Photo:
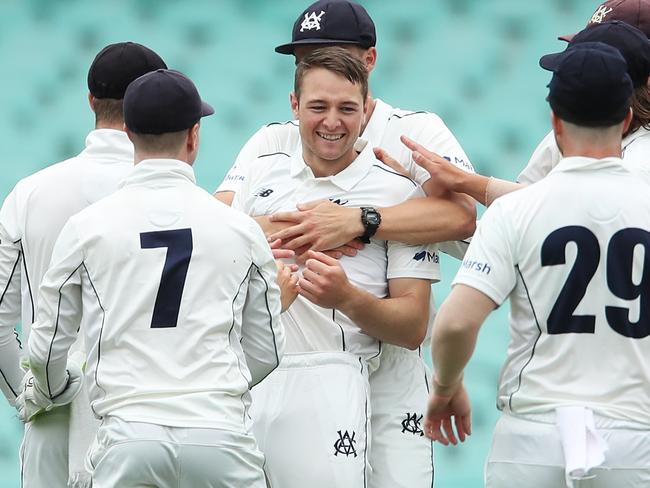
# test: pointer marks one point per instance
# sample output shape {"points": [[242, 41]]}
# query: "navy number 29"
{"points": [[179, 251], [620, 280]]}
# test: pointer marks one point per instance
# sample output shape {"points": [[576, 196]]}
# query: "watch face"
{"points": [[372, 218]]}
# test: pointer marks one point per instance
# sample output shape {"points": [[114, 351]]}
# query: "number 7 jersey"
{"points": [[572, 252], [179, 300]]}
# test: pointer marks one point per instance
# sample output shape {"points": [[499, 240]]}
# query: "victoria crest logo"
{"points": [[311, 21], [345, 444]]}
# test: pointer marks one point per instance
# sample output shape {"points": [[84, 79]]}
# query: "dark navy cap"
{"points": [[119, 64], [332, 22], [590, 85], [630, 41], [163, 101]]}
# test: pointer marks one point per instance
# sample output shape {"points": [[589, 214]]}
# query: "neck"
{"points": [[596, 151], [109, 125], [323, 168]]}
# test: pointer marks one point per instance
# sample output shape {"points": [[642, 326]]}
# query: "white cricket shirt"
{"points": [[578, 279], [384, 129], [30, 221], [281, 181], [636, 151], [179, 301]]}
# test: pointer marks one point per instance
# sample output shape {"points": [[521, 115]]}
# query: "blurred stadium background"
{"points": [[474, 62]]}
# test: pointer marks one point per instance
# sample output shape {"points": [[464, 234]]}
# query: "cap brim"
{"points": [[289, 48], [206, 109], [567, 37], [550, 61]]}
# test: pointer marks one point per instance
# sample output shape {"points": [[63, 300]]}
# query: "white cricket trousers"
{"points": [[528, 453], [44, 451], [134, 454], [310, 418], [401, 456]]}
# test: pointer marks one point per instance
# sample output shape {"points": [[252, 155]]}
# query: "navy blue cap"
{"points": [[630, 41], [119, 64], [163, 101], [590, 85], [332, 22]]}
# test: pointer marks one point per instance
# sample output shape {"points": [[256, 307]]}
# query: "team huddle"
{"points": [[271, 334]]}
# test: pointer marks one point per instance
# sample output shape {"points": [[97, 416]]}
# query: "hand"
{"points": [[280, 253], [32, 401], [324, 281], [321, 225], [389, 161], [442, 407], [288, 283], [442, 172], [350, 249]]}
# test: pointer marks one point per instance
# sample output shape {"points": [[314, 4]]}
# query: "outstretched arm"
{"points": [[454, 337]]}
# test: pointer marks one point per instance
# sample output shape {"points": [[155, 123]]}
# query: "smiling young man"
{"points": [[311, 415]]}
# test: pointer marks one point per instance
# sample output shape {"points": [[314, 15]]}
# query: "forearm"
{"points": [[455, 332], [401, 321], [484, 189], [427, 220]]}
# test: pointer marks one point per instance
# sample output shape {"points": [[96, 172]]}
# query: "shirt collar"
{"points": [[581, 163], [345, 179], [108, 145], [160, 172], [374, 131]]}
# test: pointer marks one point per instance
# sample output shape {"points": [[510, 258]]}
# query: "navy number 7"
{"points": [[179, 250]]}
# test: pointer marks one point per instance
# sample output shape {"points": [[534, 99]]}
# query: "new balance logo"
{"points": [[599, 15], [427, 256], [311, 21], [412, 424], [477, 266], [345, 444], [263, 192], [338, 201]]}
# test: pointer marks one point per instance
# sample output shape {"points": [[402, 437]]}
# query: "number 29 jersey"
{"points": [[179, 299], [572, 252]]}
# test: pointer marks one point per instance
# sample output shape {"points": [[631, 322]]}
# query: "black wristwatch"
{"points": [[370, 219]]}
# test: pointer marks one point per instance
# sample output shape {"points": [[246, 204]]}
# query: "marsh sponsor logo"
{"points": [[477, 266], [459, 162], [426, 256]]}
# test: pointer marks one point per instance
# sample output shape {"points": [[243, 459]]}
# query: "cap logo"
{"points": [[599, 15], [311, 21]]}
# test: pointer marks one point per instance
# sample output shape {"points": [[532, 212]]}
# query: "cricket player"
{"points": [[571, 254], [311, 415], [30, 221], [179, 318], [401, 456], [636, 141], [635, 48]]}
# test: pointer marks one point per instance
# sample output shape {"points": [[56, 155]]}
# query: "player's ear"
{"points": [[193, 138], [370, 58], [628, 120], [294, 103], [91, 101], [556, 123]]}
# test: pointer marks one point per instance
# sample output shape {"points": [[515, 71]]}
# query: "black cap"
{"points": [[590, 85], [163, 101], [119, 64], [332, 22], [630, 41]]}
